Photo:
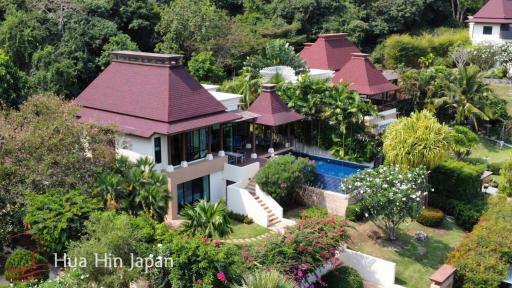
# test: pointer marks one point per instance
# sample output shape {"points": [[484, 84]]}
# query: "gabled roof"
{"points": [[494, 11], [361, 76], [273, 112], [329, 52], [139, 90]]}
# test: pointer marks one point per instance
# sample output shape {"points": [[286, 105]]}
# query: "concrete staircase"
{"points": [[273, 220]]}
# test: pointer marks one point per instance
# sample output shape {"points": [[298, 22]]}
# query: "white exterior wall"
{"points": [[375, 272], [237, 174], [271, 203], [217, 187], [135, 147], [476, 33], [241, 201]]}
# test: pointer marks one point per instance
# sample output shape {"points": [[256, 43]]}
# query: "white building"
{"points": [[492, 23]]}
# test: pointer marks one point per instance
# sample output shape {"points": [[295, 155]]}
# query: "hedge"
{"points": [[457, 180], [343, 277], [404, 49], [466, 214], [482, 258]]}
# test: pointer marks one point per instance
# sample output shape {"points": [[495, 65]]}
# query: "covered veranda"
{"points": [[268, 132]]}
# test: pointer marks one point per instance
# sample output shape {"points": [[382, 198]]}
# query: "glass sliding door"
{"points": [[197, 144], [193, 191]]}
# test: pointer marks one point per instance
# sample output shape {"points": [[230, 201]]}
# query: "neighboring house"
{"points": [[194, 134], [335, 52], [492, 23]]}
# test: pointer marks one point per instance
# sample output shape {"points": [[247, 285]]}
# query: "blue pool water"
{"points": [[330, 172]]}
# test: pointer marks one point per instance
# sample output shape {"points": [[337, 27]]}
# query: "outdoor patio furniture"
{"points": [[234, 156]]}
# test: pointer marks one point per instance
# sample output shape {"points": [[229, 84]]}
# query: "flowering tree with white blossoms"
{"points": [[387, 195]]}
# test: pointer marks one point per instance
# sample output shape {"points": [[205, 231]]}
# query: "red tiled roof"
{"points": [[494, 11], [152, 93], [272, 110], [360, 74], [330, 52], [146, 127]]}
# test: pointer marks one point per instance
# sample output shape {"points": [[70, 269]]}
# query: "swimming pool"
{"points": [[330, 172]]}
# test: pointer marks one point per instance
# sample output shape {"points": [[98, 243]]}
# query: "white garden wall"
{"points": [[242, 202], [217, 186], [271, 203], [237, 174], [375, 272]]}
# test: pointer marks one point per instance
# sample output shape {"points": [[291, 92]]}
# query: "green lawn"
{"points": [[413, 270], [504, 91], [241, 230], [491, 151]]}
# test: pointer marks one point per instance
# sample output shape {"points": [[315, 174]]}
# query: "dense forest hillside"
{"points": [[59, 46]]}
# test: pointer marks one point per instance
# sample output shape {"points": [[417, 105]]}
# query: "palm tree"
{"points": [[265, 279], [207, 219], [463, 95], [346, 110], [109, 186], [154, 196]]}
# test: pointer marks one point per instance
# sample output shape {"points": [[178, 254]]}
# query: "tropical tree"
{"points": [[204, 68], [418, 140], [207, 219], [116, 42], [13, 83], [462, 96], [276, 53], [57, 216], [265, 279], [247, 84], [505, 179], [387, 195], [462, 140], [345, 110], [134, 187]]}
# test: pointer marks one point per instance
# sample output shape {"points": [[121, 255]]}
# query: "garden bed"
{"points": [[412, 269]]}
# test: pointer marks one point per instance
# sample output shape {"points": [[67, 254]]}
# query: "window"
{"points": [[158, 150], [193, 191], [488, 30], [504, 27]]}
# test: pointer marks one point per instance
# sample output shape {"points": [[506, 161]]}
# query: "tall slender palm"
{"points": [[207, 219], [463, 95]]}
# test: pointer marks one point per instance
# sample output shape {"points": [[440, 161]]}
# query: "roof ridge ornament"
{"points": [[146, 58]]}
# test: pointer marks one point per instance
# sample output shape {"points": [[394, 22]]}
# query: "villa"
{"points": [[492, 23], [196, 136], [337, 54]]}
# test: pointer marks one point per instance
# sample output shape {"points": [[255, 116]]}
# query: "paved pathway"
{"points": [[248, 240]]}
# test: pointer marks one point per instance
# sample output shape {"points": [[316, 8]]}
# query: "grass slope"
{"points": [[413, 270], [489, 149], [504, 91]]}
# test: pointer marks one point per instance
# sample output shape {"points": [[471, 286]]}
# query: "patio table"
{"points": [[235, 155]]}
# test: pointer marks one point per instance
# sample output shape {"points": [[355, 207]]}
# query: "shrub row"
{"points": [[466, 214], [405, 49], [240, 218], [457, 180], [457, 191], [482, 258], [354, 213], [430, 217], [343, 277]]}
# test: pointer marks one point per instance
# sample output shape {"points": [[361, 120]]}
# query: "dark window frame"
{"points": [[157, 144], [487, 30], [192, 191], [505, 27]]}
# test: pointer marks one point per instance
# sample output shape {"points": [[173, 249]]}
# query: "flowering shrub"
{"points": [[387, 195], [314, 212], [281, 176], [483, 256], [303, 247], [200, 262]]}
